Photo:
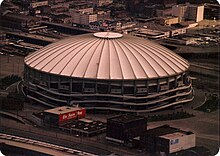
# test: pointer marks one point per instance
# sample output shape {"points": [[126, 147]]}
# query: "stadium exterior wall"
{"points": [[117, 95]]}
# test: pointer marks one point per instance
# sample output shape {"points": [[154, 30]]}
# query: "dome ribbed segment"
{"points": [[107, 55]]}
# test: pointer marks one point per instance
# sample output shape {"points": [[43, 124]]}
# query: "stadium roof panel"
{"points": [[107, 55]]}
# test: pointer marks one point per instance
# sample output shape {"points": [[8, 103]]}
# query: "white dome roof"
{"points": [[107, 55]]}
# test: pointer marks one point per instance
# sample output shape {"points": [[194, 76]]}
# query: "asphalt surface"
{"points": [[91, 145], [204, 125]]}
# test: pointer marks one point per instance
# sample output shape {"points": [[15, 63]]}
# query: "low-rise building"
{"points": [[61, 18], [156, 31], [125, 25], [152, 34], [2, 36], [57, 1], [60, 5], [166, 139], [59, 10], [169, 20], [83, 10], [177, 31], [103, 25], [160, 12], [102, 2], [103, 15], [84, 127], [123, 128], [62, 115], [38, 4], [18, 21]]}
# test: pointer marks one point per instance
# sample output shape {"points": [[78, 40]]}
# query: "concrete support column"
{"points": [[49, 77], [71, 82], [96, 90], [158, 86], [147, 85], [176, 81], [109, 87], [83, 85], [135, 88], [122, 88], [58, 84]]}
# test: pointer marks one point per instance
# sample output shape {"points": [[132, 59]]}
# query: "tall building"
{"points": [[188, 12], [82, 18], [179, 11], [195, 13]]}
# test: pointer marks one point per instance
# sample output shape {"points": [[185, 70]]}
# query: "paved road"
{"points": [[92, 145], [39, 146], [204, 125]]}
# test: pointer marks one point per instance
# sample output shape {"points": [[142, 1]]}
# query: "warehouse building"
{"points": [[107, 71], [62, 115], [84, 127], [123, 128], [167, 140], [69, 119]]}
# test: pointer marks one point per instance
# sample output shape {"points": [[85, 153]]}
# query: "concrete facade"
{"points": [[188, 12], [79, 17], [179, 141], [39, 4], [102, 2]]}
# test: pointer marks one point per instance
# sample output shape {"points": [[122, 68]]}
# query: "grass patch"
{"points": [[172, 116], [212, 104]]}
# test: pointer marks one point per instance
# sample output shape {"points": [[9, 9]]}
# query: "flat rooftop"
{"points": [[126, 118], [166, 131], [85, 126], [150, 31], [173, 135], [62, 110], [33, 36]]}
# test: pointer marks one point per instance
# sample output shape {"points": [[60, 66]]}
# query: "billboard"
{"points": [[81, 113], [72, 115]]}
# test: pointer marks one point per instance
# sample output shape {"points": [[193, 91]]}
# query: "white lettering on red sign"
{"points": [[72, 115], [80, 112], [64, 116]]}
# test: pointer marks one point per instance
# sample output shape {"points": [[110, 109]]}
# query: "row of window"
{"points": [[83, 97], [108, 89], [111, 105], [34, 75]]}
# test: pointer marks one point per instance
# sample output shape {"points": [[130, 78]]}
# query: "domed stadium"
{"points": [[107, 71]]}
